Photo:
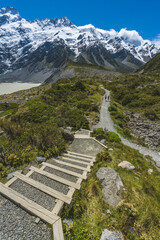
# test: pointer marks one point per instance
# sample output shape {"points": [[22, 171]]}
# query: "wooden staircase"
{"points": [[68, 170]]}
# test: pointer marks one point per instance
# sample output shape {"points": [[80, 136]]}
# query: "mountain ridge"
{"points": [[23, 46]]}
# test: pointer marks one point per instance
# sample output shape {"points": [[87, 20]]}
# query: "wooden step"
{"points": [[77, 161], [88, 169], [79, 157], [44, 188], [58, 230], [56, 178], [83, 176], [28, 204], [82, 155]]}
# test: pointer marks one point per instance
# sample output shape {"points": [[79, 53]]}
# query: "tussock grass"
{"points": [[137, 216]]}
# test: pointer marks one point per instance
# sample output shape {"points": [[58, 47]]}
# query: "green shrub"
{"points": [[103, 156], [113, 137], [120, 123], [150, 114], [79, 86], [112, 108], [99, 134]]}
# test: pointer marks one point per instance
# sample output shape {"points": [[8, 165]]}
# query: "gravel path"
{"points": [[61, 174], [34, 194], [75, 163], [107, 123], [17, 224], [85, 161], [85, 146], [65, 167], [60, 187]]}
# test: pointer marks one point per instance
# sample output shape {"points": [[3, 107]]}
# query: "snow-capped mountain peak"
{"points": [[64, 21], [21, 40], [9, 14]]}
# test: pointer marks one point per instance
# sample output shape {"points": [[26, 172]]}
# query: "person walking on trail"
{"points": [[105, 97], [108, 98]]}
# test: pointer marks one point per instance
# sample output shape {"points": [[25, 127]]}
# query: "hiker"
{"points": [[108, 98]]}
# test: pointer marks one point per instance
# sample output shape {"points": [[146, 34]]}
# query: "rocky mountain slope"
{"points": [[151, 67], [35, 50]]}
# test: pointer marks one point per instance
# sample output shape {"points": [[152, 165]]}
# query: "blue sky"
{"points": [[140, 15]]}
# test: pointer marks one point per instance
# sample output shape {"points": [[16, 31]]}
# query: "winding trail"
{"points": [[107, 123]]}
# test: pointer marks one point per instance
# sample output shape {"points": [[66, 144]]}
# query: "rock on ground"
{"points": [[10, 175], [112, 185], [126, 165], [109, 235], [68, 135], [150, 171], [68, 222]]}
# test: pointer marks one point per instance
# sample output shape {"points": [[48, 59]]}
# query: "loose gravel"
{"points": [[60, 187], [74, 154], [61, 174], [17, 224], [65, 167], [85, 146], [83, 160], [34, 194], [74, 163]]}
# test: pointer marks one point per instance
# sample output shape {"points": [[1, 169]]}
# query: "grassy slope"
{"points": [[139, 210], [139, 93], [36, 127], [50, 111], [152, 67]]}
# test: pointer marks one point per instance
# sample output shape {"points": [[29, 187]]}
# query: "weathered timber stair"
{"points": [[57, 179]]}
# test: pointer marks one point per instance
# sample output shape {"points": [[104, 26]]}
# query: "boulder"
{"points": [[40, 159], [112, 185], [126, 165], [111, 235]]}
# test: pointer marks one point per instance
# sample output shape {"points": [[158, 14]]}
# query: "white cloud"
{"points": [[156, 41], [131, 36]]}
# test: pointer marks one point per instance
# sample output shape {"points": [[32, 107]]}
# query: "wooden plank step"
{"points": [[28, 204], [58, 230], [56, 178], [77, 161], [80, 154], [57, 208], [65, 170], [44, 188], [79, 157], [88, 169]]}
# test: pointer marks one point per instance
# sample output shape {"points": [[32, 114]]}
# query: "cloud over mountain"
{"points": [[46, 45], [156, 41]]}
